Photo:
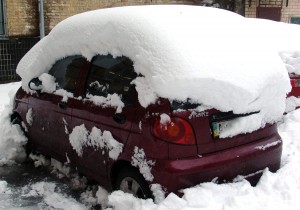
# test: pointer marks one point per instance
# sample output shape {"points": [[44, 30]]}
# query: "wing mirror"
{"points": [[35, 84]]}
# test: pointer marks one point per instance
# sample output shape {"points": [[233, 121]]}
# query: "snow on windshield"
{"points": [[209, 55]]}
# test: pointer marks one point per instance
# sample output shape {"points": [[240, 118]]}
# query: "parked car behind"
{"points": [[295, 82], [140, 97]]}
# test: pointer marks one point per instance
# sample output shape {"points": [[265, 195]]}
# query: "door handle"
{"points": [[119, 118], [63, 105]]}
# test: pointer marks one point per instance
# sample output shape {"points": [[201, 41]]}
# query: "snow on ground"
{"points": [[279, 190], [11, 138], [172, 46]]}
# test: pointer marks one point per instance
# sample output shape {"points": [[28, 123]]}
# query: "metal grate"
{"points": [[11, 52]]}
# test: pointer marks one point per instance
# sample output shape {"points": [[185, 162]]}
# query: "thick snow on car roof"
{"points": [[208, 55]]}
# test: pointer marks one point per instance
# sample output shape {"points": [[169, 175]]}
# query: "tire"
{"points": [[16, 120], [129, 180]]}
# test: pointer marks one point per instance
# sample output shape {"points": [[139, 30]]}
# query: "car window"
{"points": [[110, 75], [66, 72]]}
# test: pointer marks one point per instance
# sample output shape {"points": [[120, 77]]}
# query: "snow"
{"points": [[113, 100], [164, 119], [158, 192], [172, 46], [53, 199], [139, 160], [29, 117], [91, 198], [291, 103], [263, 147], [292, 61], [283, 38], [12, 138], [81, 137], [48, 81], [78, 138], [3, 188]]}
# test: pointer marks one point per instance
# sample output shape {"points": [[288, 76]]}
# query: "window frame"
{"points": [[3, 18], [296, 17]]}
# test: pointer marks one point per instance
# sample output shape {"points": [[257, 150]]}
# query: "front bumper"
{"points": [[222, 166]]}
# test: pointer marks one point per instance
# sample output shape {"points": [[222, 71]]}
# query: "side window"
{"points": [[110, 75], [67, 71]]}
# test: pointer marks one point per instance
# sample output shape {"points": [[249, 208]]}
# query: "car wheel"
{"points": [[129, 180], [16, 120]]}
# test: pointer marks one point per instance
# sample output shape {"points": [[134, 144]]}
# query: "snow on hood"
{"points": [[205, 54]]}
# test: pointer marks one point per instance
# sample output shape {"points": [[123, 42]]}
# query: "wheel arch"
{"points": [[115, 170], [15, 115]]}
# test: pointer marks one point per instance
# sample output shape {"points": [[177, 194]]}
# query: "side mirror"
{"points": [[35, 84]]}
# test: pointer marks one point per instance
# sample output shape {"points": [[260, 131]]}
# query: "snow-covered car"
{"points": [[152, 98], [284, 39], [292, 63], [295, 82]]}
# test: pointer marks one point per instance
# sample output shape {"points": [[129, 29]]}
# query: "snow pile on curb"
{"points": [[12, 139]]}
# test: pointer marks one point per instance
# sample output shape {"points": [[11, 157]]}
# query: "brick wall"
{"points": [[250, 8], [292, 9], [58, 10], [22, 17], [270, 3]]}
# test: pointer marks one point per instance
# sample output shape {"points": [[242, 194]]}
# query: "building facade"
{"points": [[21, 28], [287, 11]]}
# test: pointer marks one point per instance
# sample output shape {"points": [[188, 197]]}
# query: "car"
{"points": [[130, 121], [295, 82]]}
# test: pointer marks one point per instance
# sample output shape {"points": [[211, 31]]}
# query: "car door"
{"points": [[107, 110], [49, 112]]}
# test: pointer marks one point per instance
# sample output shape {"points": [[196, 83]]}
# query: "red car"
{"points": [[136, 147], [295, 82]]}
